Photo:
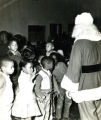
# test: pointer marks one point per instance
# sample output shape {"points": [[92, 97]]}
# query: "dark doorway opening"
{"points": [[36, 35]]}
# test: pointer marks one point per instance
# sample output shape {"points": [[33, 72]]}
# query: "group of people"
{"points": [[30, 86], [44, 89]]}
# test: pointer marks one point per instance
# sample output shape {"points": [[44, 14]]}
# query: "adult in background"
{"points": [[62, 103], [84, 71]]}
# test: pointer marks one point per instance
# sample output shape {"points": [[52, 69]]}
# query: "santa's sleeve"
{"points": [[87, 95], [70, 81]]}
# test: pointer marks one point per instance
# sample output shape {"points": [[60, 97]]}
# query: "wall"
{"points": [[16, 15]]}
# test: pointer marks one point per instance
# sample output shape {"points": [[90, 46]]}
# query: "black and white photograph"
{"points": [[50, 60]]}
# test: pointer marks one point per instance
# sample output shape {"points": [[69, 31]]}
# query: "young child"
{"points": [[6, 91], [62, 103], [49, 48], [44, 87], [13, 49], [14, 54], [25, 105]]}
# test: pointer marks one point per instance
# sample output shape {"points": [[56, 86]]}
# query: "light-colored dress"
{"points": [[25, 104], [6, 98]]}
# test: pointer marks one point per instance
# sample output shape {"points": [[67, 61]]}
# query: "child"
{"points": [[49, 48], [25, 105], [6, 91], [13, 49], [37, 63], [62, 103], [14, 54], [43, 88]]}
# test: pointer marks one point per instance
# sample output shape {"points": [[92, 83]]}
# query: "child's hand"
{"points": [[41, 99], [68, 94]]}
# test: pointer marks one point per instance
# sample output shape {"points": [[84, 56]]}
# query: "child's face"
{"points": [[8, 68], [28, 68], [49, 47], [13, 46], [49, 66]]}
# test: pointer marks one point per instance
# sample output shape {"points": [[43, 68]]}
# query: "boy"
{"points": [[15, 55], [62, 102], [6, 91], [49, 48], [44, 88]]}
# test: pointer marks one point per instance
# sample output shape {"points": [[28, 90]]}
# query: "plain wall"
{"points": [[16, 15]]}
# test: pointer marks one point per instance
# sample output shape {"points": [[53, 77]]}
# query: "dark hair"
{"points": [[46, 61], [57, 57], [28, 53], [23, 63], [5, 59], [11, 40]]}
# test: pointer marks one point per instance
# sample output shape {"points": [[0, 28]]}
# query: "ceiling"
{"points": [[4, 3]]}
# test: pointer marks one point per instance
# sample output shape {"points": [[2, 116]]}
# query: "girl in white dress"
{"points": [[25, 105]]}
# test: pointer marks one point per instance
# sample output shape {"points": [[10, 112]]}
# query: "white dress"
{"points": [[25, 104]]}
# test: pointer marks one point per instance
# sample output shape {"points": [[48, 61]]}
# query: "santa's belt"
{"points": [[91, 68]]}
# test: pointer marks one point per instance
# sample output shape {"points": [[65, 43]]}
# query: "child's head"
{"points": [[54, 56], [27, 66], [7, 66], [13, 45], [47, 63], [49, 46], [57, 57]]}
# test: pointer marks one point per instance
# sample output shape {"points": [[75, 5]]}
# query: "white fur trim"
{"points": [[68, 84], [86, 95]]}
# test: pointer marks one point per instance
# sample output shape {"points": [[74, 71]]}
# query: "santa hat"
{"points": [[84, 18]]}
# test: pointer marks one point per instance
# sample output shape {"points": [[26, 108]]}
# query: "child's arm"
{"points": [[86, 95], [2, 84], [38, 90], [56, 87]]}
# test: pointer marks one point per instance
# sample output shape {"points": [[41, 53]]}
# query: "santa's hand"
{"points": [[68, 94]]}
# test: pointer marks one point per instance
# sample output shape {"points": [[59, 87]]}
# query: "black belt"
{"points": [[91, 68]]}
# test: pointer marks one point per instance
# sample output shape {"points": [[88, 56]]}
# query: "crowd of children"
{"points": [[30, 85]]}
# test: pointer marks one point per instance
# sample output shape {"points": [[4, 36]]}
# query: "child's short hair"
{"points": [[57, 57], [50, 44], [46, 61], [24, 62], [5, 60], [12, 40]]}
